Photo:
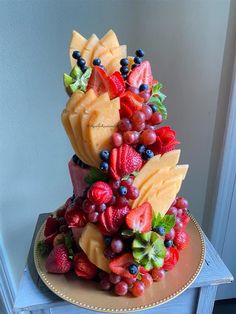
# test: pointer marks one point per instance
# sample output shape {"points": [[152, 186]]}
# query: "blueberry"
{"points": [[133, 66], [143, 87], [81, 62], [140, 148], [76, 54], [168, 243], [104, 166], [148, 154], [122, 190], [107, 240], [104, 155], [75, 158], [82, 164], [125, 76], [133, 269], [96, 61], [124, 70], [137, 60], [124, 62], [84, 68], [139, 53], [160, 230], [153, 107]]}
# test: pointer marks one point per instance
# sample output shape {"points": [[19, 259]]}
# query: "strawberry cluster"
{"points": [[140, 246]]}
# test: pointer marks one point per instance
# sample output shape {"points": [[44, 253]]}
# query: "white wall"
{"points": [[184, 41]]}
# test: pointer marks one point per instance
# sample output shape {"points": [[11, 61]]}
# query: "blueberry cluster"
{"points": [[98, 62], [124, 70], [79, 162], [80, 61], [104, 155], [138, 58], [145, 153]]}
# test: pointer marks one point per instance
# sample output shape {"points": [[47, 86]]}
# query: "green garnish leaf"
{"points": [[43, 248], [127, 233], [167, 221], [135, 173], [95, 175], [157, 98]]}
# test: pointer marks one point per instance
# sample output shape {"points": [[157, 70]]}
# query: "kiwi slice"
{"points": [[149, 250]]}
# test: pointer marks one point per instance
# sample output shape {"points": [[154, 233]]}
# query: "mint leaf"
{"points": [[127, 233], [156, 220], [168, 222], [156, 88], [95, 175], [157, 98]]}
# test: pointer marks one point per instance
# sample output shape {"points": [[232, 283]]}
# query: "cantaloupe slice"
{"points": [[75, 121], [77, 43], [92, 243], [74, 100], [159, 181], [114, 65], [120, 51], [88, 50], [156, 163], [110, 39]]}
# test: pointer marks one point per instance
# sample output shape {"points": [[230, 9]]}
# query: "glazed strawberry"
{"points": [[101, 83], [123, 161], [74, 216], [100, 193], [181, 240], [129, 103], [111, 220], [58, 260], [120, 265], [51, 226], [141, 74], [116, 85], [140, 218], [172, 259], [83, 267]]}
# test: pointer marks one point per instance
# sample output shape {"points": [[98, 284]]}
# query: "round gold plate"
{"points": [[87, 294]]}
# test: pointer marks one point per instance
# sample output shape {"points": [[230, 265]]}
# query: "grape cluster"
{"points": [[139, 129]]}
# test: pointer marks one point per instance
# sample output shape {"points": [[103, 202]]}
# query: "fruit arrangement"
{"points": [[124, 226]]}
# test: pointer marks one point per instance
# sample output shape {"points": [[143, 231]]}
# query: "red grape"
{"points": [[132, 193], [179, 212], [121, 201], [149, 127], [145, 95], [105, 283], [181, 203], [114, 278], [148, 137], [156, 118], [117, 139], [172, 211], [129, 137], [158, 274], [138, 117], [138, 288], [88, 207], [128, 182], [93, 217], [136, 137], [139, 126], [125, 125], [170, 235], [101, 208], [117, 245], [130, 281], [108, 253], [147, 280], [133, 89], [178, 224], [147, 111], [114, 184], [121, 288]]}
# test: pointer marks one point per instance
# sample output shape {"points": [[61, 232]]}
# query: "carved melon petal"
{"points": [[77, 43], [88, 50]]}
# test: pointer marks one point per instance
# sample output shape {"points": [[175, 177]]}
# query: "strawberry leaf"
{"points": [[95, 175]]}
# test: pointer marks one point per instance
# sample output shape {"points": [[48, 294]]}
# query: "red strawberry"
{"points": [[129, 103], [123, 161], [185, 219], [74, 216], [83, 267], [100, 193], [51, 226], [58, 260], [119, 265], [172, 259], [111, 219], [181, 240], [140, 218], [141, 74], [142, 270], [116, 84], [100, 82]]}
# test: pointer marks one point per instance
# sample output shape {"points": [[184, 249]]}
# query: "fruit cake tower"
{"points": [[124, 226]]}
